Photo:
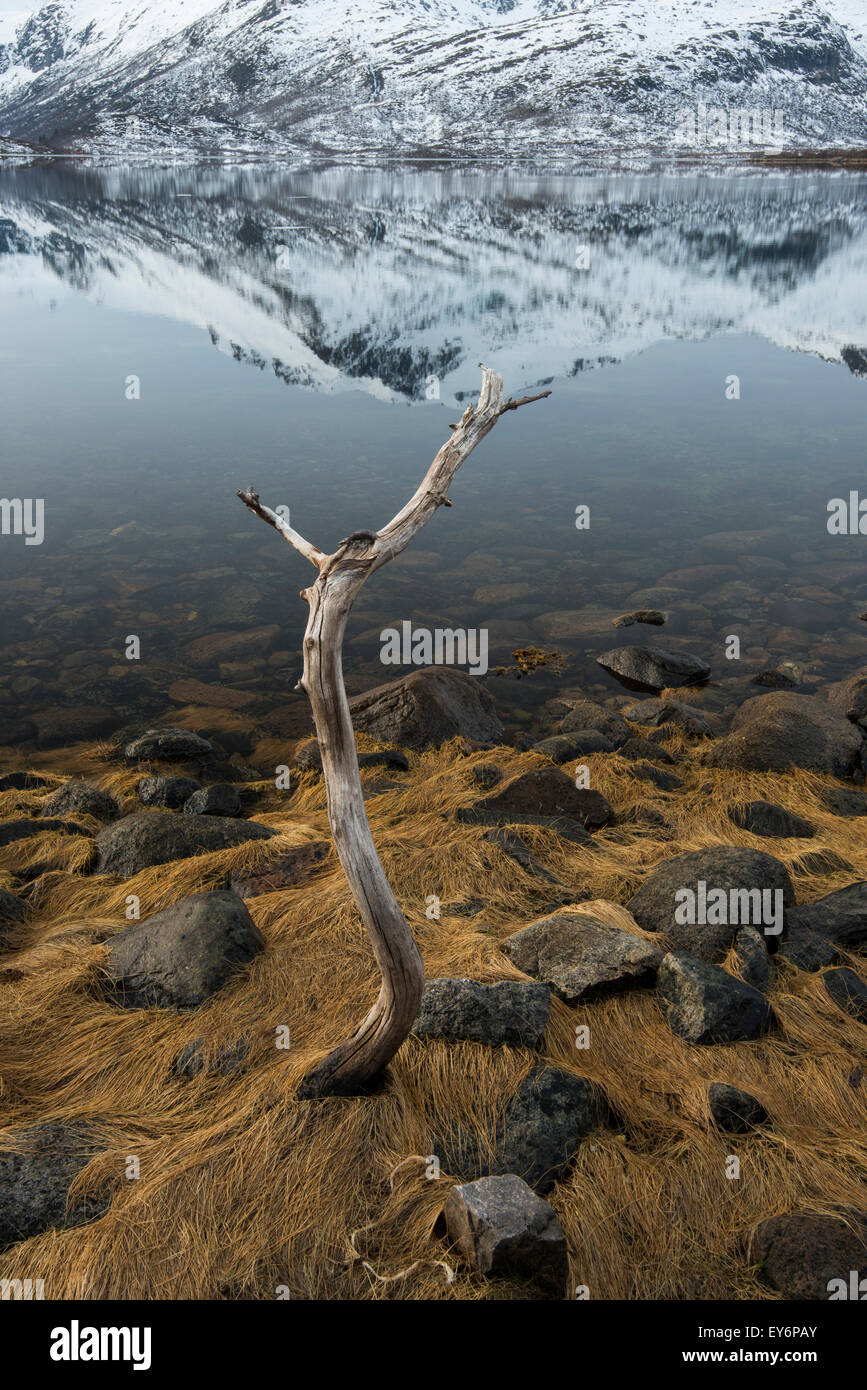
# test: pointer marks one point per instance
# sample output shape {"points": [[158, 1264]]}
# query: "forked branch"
{"points": [[358, 1061]]}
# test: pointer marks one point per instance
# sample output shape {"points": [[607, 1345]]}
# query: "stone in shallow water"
{"points": [[507, 1013], [580, 957], [702, 1003], [652, 668], [501, 1227]]}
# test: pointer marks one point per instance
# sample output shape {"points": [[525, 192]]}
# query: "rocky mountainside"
{"points": [[541, 80]]}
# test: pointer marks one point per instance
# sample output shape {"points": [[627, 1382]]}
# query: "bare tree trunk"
{"points": [[356, 1063]]}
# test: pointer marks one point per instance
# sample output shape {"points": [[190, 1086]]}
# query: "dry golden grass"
{"points": [[244, 1190]]}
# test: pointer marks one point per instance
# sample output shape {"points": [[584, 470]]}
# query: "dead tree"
{"points": [[359, 1061]]}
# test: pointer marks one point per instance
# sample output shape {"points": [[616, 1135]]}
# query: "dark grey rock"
{"points": [[849, 697], [170, 792], [775, 732], [220, 799], [840, 917], [309, 758], [656, 712], [562, 748], [567, 826], [509, 1013], [580, 957], [767, 818], [157, 837], [636, 747], [486, 775], [517, 849], [847, 991], [806, 949], [166, 744], [845, 801], [35, 1180], [80, 798], [547, 791], [754, 962], [12, 830], [426, 708], [181, 956], [736, 1112], [659, 776], [704, 1004], [12, 909], [802, 1254], [653, 617], [553, 1110], [725, 867], [501, 1227], [587, 714], [22, 781], [652, 668]]}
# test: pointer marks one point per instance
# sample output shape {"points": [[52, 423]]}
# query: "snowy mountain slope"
{"points": [[476, 78], [333, 283]]}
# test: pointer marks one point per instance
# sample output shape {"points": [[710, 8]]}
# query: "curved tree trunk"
{"points": [[357, 1062]]}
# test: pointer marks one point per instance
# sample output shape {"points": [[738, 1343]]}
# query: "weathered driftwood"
{"points": [[357, 1062]]}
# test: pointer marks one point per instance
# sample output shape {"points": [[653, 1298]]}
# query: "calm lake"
{"points": [[171, 337]]}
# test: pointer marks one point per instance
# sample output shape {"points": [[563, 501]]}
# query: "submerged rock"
{"points": [[652, 668]]}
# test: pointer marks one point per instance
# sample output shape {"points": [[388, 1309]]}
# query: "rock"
{"points": [[166, 744], [156, 837], [704, 1004], [12, 830], [426, 708], [226, 1061], [804, 1254], [806, 949], [774, 680], [652, 668], [181, 956], [561, 748], [193, 692], [736, 1112], [509, 1013], [840, 917], [586, 714], [775, 732], [767, 818], [171, 792], [637, 748], [552, 1111], [580, 957], [82, 799], [501, 1227], [657, 712], [486, 775], [567, 826], [547, 791], [12, 909], [845, 801], [22, 781], [754, 962], [655, 906], [309, 758], [221, 799], [34, 1182], [517, 849], [285, 870], [647, 772], [847, 991], [654, 617], [849, 698], [822, 861]]}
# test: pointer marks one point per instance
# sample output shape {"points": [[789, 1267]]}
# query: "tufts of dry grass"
{"points": [[243, 1190]]}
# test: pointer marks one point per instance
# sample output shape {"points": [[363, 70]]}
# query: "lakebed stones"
{"points": [[719, 889], [840, 917], [733, 1110], [426, 708], [35, 1178], [775, 732], [509, 1013], [702, 1003], [220, 799], [166, 744], [652, 668], [501, 1227], [847, 991], [769, 819], [285, 870], [169, 792], [156, 837], [80, 798], [653, 617], [580, 957], [181, 956], [548, 792], [808, 1255]]}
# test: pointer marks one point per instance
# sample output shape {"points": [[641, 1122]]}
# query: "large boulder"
{"points": [[157, 837], [426, 708], [166, 744], [501, 1227], [80, 798], [661, 900], [809, 1255], [775, 732], [508, 1013], [548, 791], [181, 956], [840, 917], [35, 1177], [580, 957], [652, 668], [704, 1004]]}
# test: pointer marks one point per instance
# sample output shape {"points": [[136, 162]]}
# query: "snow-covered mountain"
{"points": [[334, 280], [403, 79]]}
